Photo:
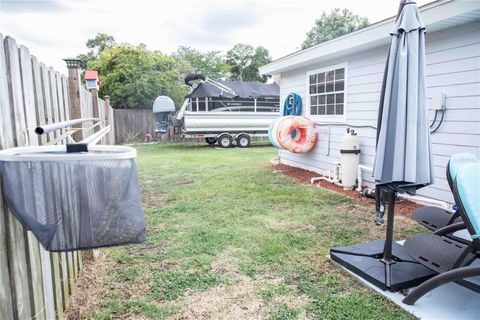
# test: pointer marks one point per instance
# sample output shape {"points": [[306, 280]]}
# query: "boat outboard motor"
{"points": [[163, 107]]}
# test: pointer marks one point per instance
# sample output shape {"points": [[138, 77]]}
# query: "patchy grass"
{"points": [[228, 238]]}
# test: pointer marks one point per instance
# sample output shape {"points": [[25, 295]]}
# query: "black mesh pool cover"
{"points": [[76, 204]]}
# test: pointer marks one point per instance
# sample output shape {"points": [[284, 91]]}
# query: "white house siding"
{"points": [[453, 67]]}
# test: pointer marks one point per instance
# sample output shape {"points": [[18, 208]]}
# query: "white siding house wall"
{"points": [[453, 67]]}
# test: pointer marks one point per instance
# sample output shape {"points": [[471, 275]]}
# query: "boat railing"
{"points": [[233, 105]]}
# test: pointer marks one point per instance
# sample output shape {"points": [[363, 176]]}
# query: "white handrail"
{"points": [[97, 136], [60, 125]]}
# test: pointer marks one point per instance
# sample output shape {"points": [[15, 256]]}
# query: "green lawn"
{"points": [[229, 238]]}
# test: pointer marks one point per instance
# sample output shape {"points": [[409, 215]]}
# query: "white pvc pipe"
{"points": [[97, 136], [335, 179], [275, 160], [359, 175], [60, 125], [437, 203]]}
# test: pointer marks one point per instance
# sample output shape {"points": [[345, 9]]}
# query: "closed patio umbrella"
{"points": [[403, 160]]}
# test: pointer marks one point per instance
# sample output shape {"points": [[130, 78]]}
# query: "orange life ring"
{"points": [[295, 133]]}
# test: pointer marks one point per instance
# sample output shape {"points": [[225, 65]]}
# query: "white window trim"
{"points": [[328, 118]]}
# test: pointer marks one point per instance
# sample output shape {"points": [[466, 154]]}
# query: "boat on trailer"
{"points": [[227, 111]]}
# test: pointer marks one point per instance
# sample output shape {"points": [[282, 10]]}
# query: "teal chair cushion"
{"points": [[459, 160], [468, 190]]}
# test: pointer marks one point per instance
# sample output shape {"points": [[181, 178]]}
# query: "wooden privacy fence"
{"points": [[34, 283], [105, 112], [133, 125]]}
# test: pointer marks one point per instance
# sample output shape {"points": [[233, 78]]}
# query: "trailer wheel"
{"points": [[243, 140], [210, 140], [225, 141]]}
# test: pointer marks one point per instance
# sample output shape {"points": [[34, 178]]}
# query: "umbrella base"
{"points": [[366, 260]]}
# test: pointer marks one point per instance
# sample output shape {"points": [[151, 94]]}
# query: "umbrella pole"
{"points": [[387, 252], [378, 206]]}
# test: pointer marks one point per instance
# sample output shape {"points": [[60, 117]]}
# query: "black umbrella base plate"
{"points": [[365, 260]]}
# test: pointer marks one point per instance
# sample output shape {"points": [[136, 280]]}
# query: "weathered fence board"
{"points": [[138, 125], [34, 283], [86, 110], [133, 125], [6, 304], [48, 98], [46, 267], [34, 263], [111, 121], [17, 251], [39, 96]]}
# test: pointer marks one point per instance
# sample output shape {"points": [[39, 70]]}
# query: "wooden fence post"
{"points": [[95, 106], [109, 119], [74, 83], [107, 109]]}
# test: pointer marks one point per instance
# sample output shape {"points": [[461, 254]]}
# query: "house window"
{"points": [[327, 92]]}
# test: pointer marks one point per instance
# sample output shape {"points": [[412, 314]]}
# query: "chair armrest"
{"points": [[450, 228]]}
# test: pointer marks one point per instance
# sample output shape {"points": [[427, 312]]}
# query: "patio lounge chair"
{"points": [[435, 218], [454, 261]]}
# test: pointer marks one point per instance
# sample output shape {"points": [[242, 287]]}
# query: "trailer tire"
{"points": [[243, 140], [225, 141], [210, 140]]}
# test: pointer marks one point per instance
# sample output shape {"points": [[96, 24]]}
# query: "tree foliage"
{"points": [[211, 63], [96, 45], [335, 24], [134, 76], [244, 61]]}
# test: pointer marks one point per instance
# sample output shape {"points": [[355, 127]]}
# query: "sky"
{"points": [[56, 29]]}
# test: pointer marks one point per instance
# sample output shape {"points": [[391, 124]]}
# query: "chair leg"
{"points": [[449, 276]]}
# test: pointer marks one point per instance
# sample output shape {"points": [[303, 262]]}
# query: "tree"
{"points": [[244, 61], [211, 63], [335, 24], [97, 45], [134, 76]]}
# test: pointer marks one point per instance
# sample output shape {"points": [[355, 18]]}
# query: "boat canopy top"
{"points": [[243, 89]]}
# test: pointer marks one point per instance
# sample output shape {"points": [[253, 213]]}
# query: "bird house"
{"points": [[91, 80]]}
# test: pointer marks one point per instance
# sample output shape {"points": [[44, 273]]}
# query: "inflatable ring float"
{"points": [[296, 134]]}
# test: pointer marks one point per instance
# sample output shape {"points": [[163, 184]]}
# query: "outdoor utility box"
{"points": [[92, 80], [162, 109]]}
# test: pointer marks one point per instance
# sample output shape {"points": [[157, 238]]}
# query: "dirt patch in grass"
{"points": [[184, 181], [228, 262], [151, 196], [240, 297], [404, 208], [89, 291], [237, 301]]}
